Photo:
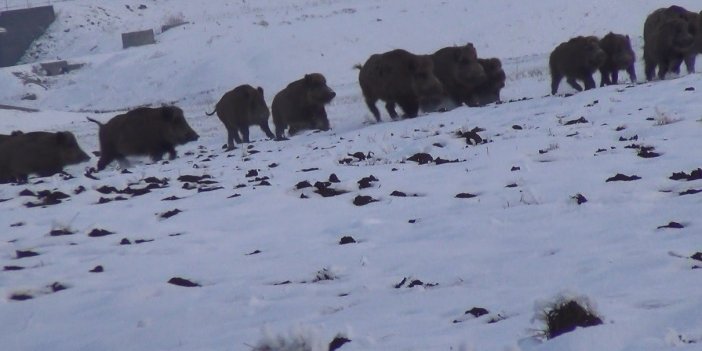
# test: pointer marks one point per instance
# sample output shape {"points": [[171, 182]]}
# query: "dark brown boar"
{"points": [[489, 91], [459, 72], [620, 56], [4, 137], [300, 105], [240, 108], [576, 59], [398, 77], [694, 25], [143, 131], [41, 153], [669, 39]]}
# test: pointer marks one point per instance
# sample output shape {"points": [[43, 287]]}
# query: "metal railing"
{"points": [[24, 4]]}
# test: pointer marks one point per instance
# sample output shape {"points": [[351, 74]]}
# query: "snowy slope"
{"points": [[521, 241]]}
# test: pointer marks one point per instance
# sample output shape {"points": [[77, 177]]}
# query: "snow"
{"points": [[509, 250]]}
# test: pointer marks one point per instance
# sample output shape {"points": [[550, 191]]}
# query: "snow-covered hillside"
{"points": [[264, 248]]}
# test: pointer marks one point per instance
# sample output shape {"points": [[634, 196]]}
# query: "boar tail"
{"points": [[95, 121], [211, 113], [358, 66]]}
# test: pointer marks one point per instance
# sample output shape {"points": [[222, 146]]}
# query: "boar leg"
{"points": [[232, 134], [244, 129], [374, 110], [555, 82], [280, 131], [22, 179], [410, 106], [604, 77], [267, 130], [172, 154], [295, 128], [157, 155], [690, 62], [632, 73], [650, 69], [675, 64], [589, 82], [48, 172], [319, 119], [390, 107], [230, 141], [472, 101], [104, 160], [663, 69], [573, 83]]}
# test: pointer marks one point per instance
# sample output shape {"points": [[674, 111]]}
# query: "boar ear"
{"points": [[308, 78], [260, 90]]}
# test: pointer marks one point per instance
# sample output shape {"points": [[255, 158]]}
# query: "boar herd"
{"points": [[424, 82], [671, 36], [452, 76]]}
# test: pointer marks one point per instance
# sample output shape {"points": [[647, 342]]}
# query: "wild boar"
{"points": [[143, 131], [301, 105], [620, 56], [669, 39], [240, 108], [489, 91], [399, 77], [41, 153], [459, 72], [576, 59]]}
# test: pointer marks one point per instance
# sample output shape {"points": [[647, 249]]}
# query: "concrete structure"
{"points": [[55, 68], [59, 67], [144, 37], [22, 27]]}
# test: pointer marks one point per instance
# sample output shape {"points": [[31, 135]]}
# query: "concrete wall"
{"points": [[143, 37], [22, 28]]}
